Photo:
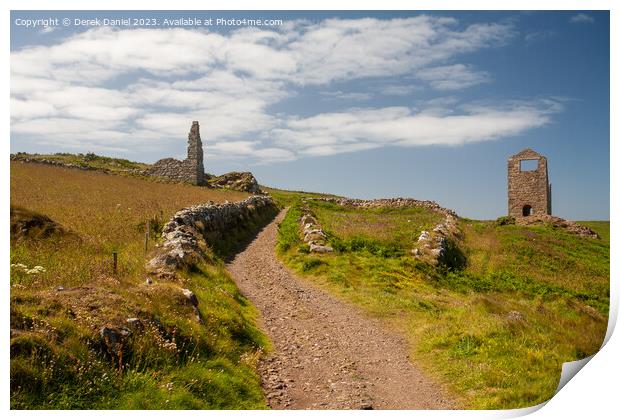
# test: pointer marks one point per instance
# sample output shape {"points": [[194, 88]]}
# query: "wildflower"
{"points": [[19, 265], [34, 270]]}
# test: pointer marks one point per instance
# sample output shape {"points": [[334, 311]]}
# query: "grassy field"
{"points": [[57, 309], [495, 332]]}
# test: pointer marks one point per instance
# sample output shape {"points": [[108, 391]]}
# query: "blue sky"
{"points": [[364, 104]]}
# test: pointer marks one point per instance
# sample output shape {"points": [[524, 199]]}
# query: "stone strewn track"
{"points": [[327, 354]]}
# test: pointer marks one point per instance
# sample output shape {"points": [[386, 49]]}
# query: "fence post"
{"points": [[147, 235]]}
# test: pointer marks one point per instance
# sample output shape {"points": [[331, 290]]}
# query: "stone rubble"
{"points": [[238, 181], [558, 222]]}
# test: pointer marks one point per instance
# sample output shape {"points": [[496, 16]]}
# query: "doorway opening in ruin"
{"points": [[527, 210]]}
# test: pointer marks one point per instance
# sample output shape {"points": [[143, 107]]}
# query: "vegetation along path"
{"points": [[327, 354]]}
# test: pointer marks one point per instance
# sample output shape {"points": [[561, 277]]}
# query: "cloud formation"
{"points": [[581, 18], [361, 129], [120, 90]]}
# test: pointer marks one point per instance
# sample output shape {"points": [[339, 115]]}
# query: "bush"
{"points": [[454, 258], [90, 156], [505, 220]]}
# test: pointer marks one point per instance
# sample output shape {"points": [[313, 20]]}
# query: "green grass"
{"points": [[396, 227], [89, 161], [58, 360], [284, 198], [174, 362], [495, 332], [540, 257]]}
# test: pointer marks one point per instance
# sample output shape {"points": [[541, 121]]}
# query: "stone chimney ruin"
{"points": [[529, 191], [189, 170]]}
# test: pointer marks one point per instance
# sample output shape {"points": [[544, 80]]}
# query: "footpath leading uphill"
{"points": [[327, 354]]}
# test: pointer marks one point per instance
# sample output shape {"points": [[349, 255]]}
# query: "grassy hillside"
{"points": [[64, 291], [496, 331], [88, 161]]}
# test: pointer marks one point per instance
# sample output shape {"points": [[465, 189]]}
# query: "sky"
{"points": [[427, 104]]}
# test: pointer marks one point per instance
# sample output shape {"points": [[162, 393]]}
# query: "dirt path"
{"points": [[327, 354]]}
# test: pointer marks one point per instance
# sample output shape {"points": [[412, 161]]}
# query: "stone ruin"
{"points": [[529, 194], [529, 191], [189, 170]]}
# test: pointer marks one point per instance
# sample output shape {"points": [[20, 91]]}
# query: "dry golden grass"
{"points": [[107, 212], [101, 206]]}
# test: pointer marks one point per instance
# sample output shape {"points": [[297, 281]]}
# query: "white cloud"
{"points": [[453, 77], [309, 53], [398, 90], [107, 89], [234, 147], [581, 18], [538, 36], [47, 30], [337, 49], [26, 109], [351, 96], [362, 129], [274, 154]]}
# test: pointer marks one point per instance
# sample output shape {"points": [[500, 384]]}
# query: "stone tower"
{"points": [[190, 169], [529, 191], [195, 166]]}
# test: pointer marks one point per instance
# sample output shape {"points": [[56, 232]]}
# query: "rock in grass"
{"points": [[135, 323], [114, 339], [322, 249], [190, 296]]}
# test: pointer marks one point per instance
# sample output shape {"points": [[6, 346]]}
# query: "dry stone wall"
{"points": [[386, 202], [191, 230], [431, 247], [313, 233]]}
